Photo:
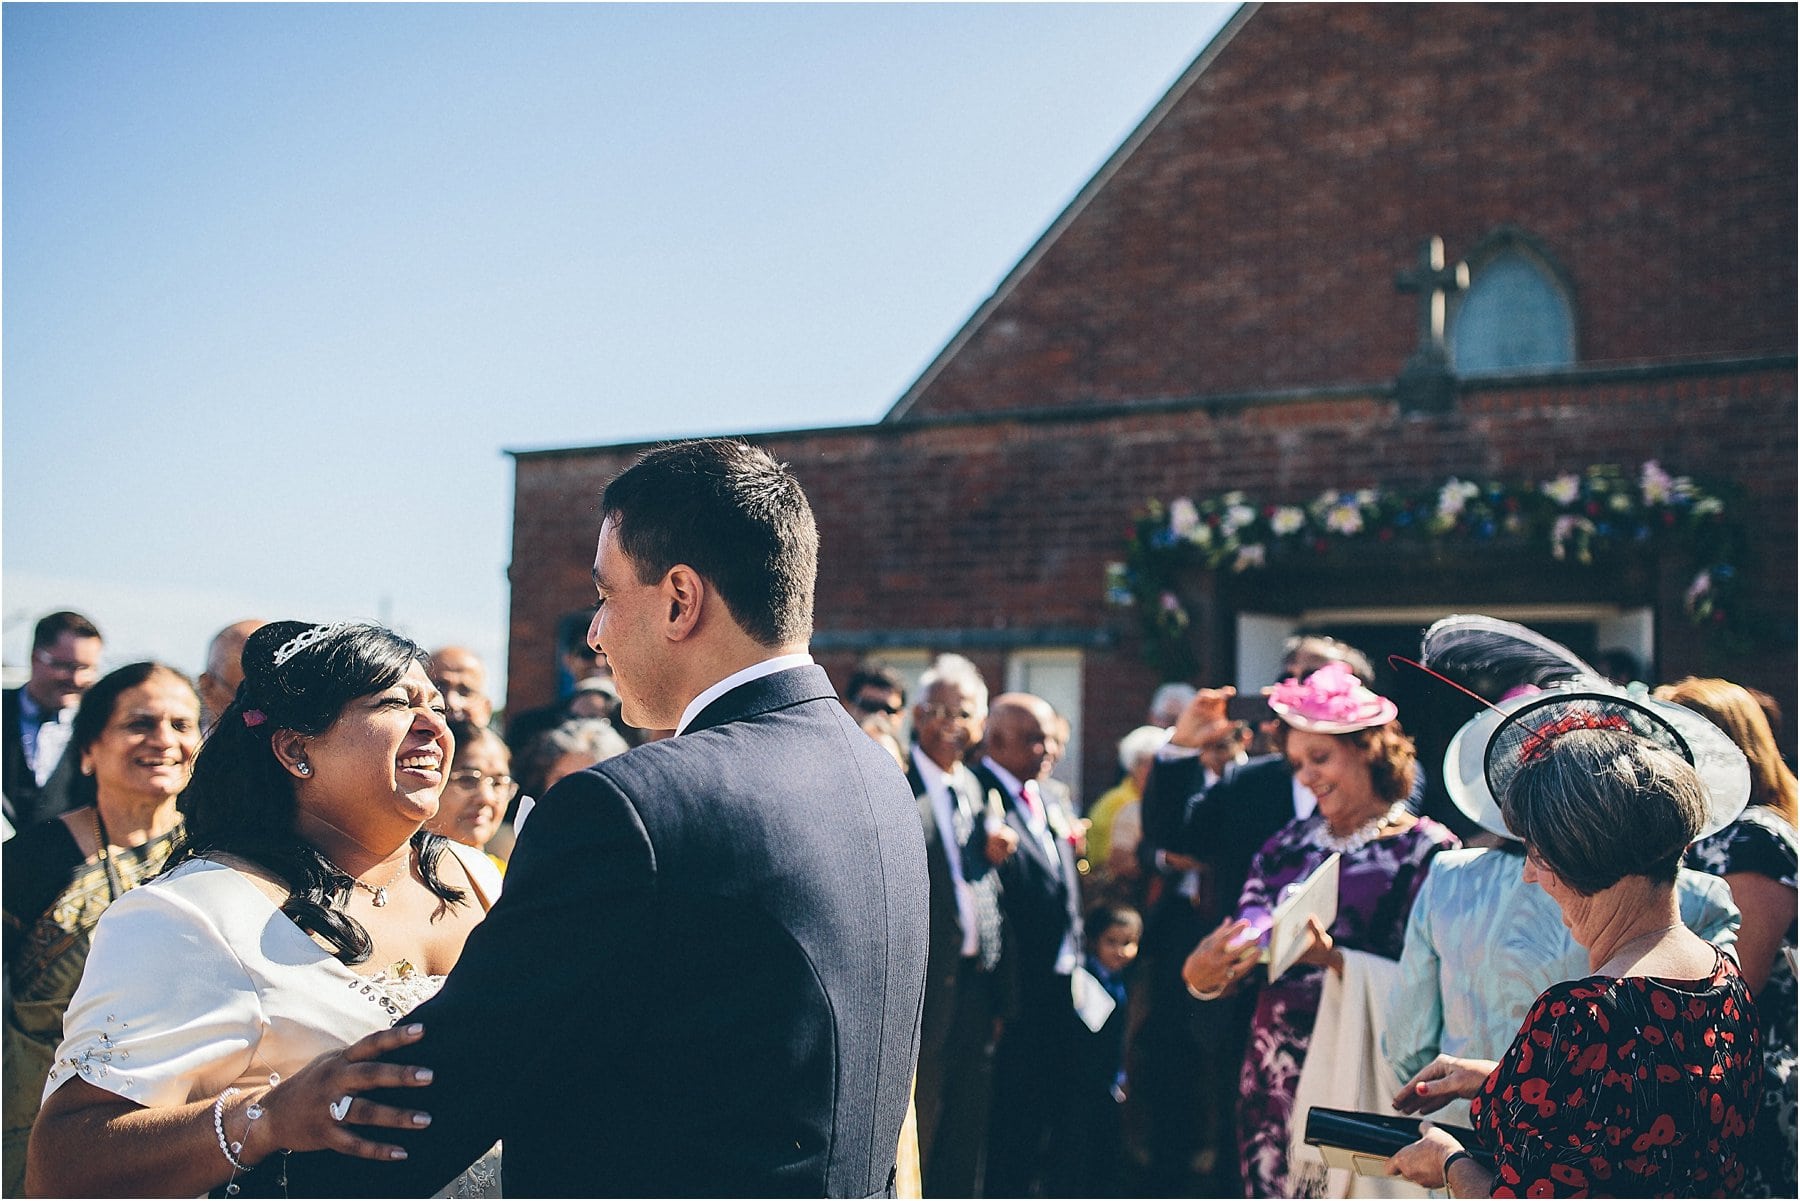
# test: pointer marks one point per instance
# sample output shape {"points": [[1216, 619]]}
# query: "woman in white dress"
{"points": [[233, 1008]]}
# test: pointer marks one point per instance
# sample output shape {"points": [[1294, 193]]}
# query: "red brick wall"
{"points": [[1251, 241], [1006, 523]]}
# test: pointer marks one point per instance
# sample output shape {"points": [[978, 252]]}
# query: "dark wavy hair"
{"points": [[97, 706], [241, 800]]}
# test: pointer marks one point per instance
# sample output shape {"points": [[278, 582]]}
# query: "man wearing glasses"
{"points": [[65, 662]]}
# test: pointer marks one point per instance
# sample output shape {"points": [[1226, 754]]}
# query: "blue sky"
{"points": [[281, 282]]}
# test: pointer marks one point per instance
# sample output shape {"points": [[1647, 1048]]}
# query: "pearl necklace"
{"points": [[1360, 837]]}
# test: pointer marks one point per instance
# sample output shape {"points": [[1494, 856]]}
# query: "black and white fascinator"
{"points": [[1535, 690]]}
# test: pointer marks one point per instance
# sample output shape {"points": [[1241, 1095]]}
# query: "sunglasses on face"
{"points": [[869, 704]]}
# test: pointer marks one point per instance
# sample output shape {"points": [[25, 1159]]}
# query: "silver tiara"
{"points": [[307, 637]]}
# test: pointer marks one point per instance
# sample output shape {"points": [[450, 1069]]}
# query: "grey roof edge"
{"points": [[1075, 208], [1580, 376]]}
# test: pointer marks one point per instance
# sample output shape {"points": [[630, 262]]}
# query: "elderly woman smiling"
{"points": [[1642, 1078], [134, 739]]}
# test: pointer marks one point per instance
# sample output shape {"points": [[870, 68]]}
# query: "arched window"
{"points": [[1516, 315]]}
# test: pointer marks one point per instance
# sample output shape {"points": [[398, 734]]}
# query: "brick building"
{"points": [[1217, 310]]}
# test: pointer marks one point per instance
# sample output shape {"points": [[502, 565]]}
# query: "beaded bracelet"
{"points": [[228, 1149]]}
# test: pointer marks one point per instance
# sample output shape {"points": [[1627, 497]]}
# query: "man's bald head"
{"points": [[1021, 735], [460, 676], [225, 667]]}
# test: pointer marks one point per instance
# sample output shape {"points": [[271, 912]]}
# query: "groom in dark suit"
{"points": [[704, 975]]}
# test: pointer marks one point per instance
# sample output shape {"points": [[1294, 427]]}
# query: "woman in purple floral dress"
{"points": [[1347, 749]]}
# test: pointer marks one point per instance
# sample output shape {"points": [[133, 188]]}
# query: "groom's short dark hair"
{"points": [[735, 515]]}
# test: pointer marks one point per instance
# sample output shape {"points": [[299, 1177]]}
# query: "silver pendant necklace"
{"points": [[378, 892]]}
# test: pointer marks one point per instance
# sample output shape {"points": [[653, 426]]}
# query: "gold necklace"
{"points": [[114, 885]]}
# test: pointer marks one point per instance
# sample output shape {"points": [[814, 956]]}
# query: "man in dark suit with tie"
{"points": [[1035, 1063], [966, 994], [35, 719], [704, 976]]}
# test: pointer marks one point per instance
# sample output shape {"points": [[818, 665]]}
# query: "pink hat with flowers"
{"points": [[1330, 701]]}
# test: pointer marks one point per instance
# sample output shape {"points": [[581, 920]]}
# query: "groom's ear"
{"points": [[685, 593]]}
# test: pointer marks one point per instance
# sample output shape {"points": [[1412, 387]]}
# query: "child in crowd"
{"points": [[1113, 932]]}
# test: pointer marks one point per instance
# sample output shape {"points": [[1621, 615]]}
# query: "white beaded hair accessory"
{"points": [[306, 638]]}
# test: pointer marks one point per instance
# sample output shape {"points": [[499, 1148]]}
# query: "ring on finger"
{"points": [[340, 1108]]}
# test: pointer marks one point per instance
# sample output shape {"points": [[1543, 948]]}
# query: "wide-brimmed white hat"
{"points": [[1489, 749]]}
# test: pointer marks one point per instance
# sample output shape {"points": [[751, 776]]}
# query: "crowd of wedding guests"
{"points": [[1587, 960]]}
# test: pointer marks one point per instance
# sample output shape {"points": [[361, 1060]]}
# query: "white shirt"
{"points": [[44, 735], [755, 671], [943, 804]]}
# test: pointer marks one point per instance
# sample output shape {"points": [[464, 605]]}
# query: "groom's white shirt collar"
{"points": [[755, 671]]}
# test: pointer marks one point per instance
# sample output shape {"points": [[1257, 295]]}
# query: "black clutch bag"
{"points": [[1363, 1142]]}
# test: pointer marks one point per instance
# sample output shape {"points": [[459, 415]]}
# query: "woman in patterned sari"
{"points": [[134, 740]]}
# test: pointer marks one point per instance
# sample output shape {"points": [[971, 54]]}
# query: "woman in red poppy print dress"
{"points": [[1643, 1078]]}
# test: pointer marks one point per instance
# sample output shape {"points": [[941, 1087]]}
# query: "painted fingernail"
{"points": [[423, 1075], [416, 1028], [421, 1119], [396, 1152]]}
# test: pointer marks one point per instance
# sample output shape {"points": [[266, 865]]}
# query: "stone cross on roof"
{"points": [[1426, 381]]}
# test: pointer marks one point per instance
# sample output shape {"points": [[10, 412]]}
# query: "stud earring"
{"points": [[305, 769]]}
